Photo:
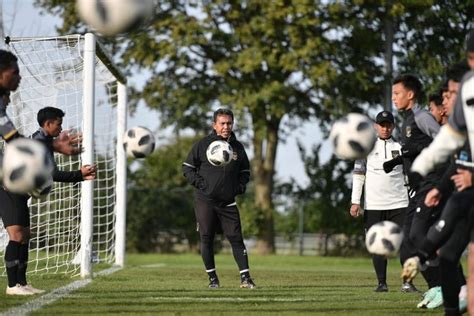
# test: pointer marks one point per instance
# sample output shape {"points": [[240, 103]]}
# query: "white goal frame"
{"points": [[93, 50]]}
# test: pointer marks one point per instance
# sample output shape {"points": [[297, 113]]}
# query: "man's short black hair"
{"points": [[6, 59], [457, 71], [436, 99], [412, 83], [49, 113], [223, 112]]}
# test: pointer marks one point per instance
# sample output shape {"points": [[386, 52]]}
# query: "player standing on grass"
{"points": [[386, 196], [418, 129], [13, 207], [215, 192], [452, 137]]}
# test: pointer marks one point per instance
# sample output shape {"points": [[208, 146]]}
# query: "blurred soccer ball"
{"points": [[26, 165], [353, 137], [111, 17], [138, 142], [43, 189], [384, 238], [219, 153]]}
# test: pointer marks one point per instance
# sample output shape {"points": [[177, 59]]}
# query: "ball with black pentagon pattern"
{"points": [[111, 17], [138, 142], [353, 136], [26, 166], [219, 153], [384, 238]]}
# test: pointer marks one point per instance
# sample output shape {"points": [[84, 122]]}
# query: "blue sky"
{"points": [[21, 19]]}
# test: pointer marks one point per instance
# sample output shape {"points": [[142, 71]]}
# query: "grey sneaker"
{"points": [[408, 287], [213, 283], [382, 287], [247, 283]]}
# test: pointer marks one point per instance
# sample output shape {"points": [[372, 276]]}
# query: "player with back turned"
{"points": [[215, 192]]}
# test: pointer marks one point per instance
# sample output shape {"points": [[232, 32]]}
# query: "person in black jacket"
{"points": [[215, 192], [50, 120], [13, 207]]}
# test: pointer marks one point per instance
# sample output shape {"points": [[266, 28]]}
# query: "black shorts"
{"points": [[372, 217], [213, 217], [14, 209]]}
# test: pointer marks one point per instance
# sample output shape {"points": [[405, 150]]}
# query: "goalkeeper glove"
{"points": [[390, 164], [411, 267]]}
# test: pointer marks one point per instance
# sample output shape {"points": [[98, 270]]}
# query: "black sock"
{"points": [[11, 262], [380, 266], [207, 253], [23, 263], [212, 274], [432, 276], [450, 284]]}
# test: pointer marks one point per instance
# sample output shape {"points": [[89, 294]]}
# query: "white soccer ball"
{"points": [[219, 153], [138, 142], [43, 189], [111, 17], [353, 137], [26, 165], [384, 238]]}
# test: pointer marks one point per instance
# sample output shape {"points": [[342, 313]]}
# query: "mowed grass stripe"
{"points": [[286, 286]]}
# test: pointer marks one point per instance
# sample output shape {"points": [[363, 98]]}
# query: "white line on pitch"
{"points": [[54, 295], [229, 299]]}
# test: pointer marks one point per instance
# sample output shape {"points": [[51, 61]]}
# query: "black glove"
{"points": [[414, 180], [390, 164], [411, 150]]}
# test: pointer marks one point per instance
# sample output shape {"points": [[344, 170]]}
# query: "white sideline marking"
{"points": [[229, 299], [151, 266], [54, 295]]}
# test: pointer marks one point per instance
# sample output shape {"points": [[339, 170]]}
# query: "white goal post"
{"points": [[76, 224]]}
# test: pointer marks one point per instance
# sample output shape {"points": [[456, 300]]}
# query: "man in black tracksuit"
{"points": [[216, 188], [418, 129]]}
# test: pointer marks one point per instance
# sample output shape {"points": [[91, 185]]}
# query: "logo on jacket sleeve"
{"points": [[408, 131]]}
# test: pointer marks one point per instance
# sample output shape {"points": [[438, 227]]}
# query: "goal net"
{"points": [[53, 72]]}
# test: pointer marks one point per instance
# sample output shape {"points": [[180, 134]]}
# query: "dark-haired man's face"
{"points": [[402, 97], [453, 88], [223, 125], [53, 127], [10, 78]]}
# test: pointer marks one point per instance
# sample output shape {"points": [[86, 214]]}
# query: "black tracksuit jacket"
{"points": [[220, 184]]}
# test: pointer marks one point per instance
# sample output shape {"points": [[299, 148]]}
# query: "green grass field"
{"points": [[177, 285]]}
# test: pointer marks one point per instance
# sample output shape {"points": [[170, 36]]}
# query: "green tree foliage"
{"points": [[160, 208], [269, 60]]}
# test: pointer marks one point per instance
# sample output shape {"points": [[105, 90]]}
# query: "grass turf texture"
{"points": [[287, 285]]}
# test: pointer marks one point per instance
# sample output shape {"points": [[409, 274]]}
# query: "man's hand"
{"points": [[68, 143], [432, 197], [390, 164], [462, 179], [411, 267], [89, 172], [355, 210]]}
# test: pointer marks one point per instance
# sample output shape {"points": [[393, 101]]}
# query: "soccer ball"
{"points": [[26, 165], [353, 137], [43, 189], [384, 238], [111, 17], [138, 142], [219, 153]]}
